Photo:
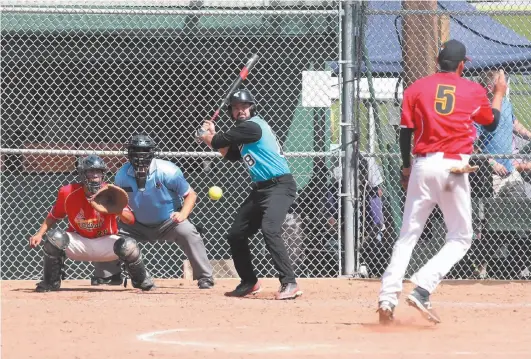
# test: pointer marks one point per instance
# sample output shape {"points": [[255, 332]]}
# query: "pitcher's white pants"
{"points": [[91, 249], [431, 183]]}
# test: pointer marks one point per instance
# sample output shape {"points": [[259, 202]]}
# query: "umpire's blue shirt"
{"points": [[255, 142], [165, 189]]}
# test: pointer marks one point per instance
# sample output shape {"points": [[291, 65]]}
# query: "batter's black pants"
{"points": [[265, 208]]}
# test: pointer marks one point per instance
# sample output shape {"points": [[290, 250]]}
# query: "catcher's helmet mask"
{"points": [[141, 151], [241, 96], [91, 170]]}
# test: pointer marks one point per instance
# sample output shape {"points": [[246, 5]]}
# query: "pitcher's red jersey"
{"points": [[441, 109]]}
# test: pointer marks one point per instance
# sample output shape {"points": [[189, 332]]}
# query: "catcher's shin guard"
{"points": [[54, 257], [129, 253]]}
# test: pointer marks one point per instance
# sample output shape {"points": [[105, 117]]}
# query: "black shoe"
{"points": [[244, 289], [46, 287], [205, 283], [147, 284], [422, 303], [288, 291], [116, 279]]}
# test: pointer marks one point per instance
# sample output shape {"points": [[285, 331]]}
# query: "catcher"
{"points": [[92, 208]]}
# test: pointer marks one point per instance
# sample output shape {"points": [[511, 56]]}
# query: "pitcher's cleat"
{"points": [[385, 312], [420, 301]]}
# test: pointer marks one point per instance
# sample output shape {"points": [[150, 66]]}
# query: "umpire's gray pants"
{"points": [[184, 234]]}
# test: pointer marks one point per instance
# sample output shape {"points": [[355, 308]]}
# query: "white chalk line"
{"points": [[231, 347], [153, 337], [257, 348]]}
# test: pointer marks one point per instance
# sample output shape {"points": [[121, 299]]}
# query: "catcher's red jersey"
{"points": [[441, 109], [83, 219]]}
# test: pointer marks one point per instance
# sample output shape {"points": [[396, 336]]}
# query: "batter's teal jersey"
{"points": [[264, 158]]}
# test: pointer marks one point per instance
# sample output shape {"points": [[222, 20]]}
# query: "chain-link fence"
{"points": [[84, 78], [78, 78], [401, 45]]}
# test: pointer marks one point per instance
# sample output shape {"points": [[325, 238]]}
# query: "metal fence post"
{"points": [[349, 33]]}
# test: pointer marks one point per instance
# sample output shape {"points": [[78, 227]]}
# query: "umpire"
{"points": [[161, 200], [273, 192]]}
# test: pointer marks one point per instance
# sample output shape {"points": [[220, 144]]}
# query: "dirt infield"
{"points": [[334, 318]]}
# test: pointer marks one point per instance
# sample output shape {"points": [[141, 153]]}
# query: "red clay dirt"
{"points": [[335, 318]]}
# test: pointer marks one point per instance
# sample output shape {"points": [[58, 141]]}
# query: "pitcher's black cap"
{"points": [[452, 50]]}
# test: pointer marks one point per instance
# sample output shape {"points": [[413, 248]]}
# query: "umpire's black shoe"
{"points": [[46, 287], [245, 288], [116, 279], [205, 283]]}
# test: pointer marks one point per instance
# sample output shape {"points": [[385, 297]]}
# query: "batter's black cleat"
{"points": [[43, 287], [385, 312], [420, 300], [205, 283], [116, 279], [288, 291], [244, 289]]}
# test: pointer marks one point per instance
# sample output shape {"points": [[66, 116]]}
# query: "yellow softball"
{"points": [[215, 193]]}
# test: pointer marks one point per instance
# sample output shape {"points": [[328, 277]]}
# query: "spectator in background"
{"points": [[523, 165], [506, 179]]}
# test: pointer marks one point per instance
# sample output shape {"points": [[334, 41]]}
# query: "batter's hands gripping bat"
{"points": [[237, 82]]}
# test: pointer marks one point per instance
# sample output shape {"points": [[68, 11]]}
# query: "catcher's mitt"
{"points": [[465, 169], [109, 199]]}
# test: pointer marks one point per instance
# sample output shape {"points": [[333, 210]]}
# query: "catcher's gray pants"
{"points": [[184, 234]]}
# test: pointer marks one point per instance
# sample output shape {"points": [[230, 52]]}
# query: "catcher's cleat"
{"points": [[385, 312], [422, 303], [147, 284], [205, 283], [43, 287], [116, 279], [288, 291], [244, 289]]}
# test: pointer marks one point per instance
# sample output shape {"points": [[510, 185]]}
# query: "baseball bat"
{"points": [[236, 83]]}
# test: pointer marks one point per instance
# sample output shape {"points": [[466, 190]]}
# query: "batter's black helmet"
{"points": [[242, 96], [91, 162]]}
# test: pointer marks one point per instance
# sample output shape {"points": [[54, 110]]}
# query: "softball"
{"points": [[215, 193]]}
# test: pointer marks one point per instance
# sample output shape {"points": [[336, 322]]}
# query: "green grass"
{"points": [[519, 24], [520, 95], [521, 91]]}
